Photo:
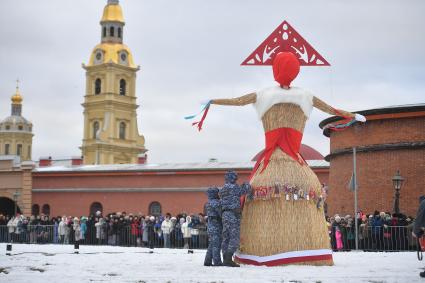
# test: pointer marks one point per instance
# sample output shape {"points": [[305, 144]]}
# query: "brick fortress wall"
{"points": [[375, 169]]}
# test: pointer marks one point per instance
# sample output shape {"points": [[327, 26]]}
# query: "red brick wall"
{"points": [[78, 203], [375, 169]]}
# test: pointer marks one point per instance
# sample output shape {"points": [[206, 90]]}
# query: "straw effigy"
{"points": [[283, 220]]}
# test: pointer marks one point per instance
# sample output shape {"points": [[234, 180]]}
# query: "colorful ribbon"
{"points": [[201, 122], [347, 122]]}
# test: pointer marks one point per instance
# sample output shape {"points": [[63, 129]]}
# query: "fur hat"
{"points": [[212, 193], [231, 177]]}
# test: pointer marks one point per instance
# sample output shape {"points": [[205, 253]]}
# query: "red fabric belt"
{"points": [[287, 139]]}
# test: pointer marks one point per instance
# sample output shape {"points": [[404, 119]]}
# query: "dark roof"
{"points": [[376, 111]]}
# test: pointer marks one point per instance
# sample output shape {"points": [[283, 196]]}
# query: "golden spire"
{"points": [[17, 98], [112, 12]]}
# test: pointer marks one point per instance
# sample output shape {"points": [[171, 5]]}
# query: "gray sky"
{"points": [[190, 51]]}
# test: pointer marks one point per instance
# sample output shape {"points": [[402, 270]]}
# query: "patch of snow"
{"points": [[58, 263]]}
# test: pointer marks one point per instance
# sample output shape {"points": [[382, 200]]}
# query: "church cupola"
{"points": [[112, 23], [17, 102]]}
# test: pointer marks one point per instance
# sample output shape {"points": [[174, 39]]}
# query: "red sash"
{"points": [[287, 139]]}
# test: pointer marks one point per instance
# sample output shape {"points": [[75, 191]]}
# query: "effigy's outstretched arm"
{"points": [[319, 104], [238, 101]]}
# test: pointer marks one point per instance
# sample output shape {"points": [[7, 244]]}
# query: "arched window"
{"points": [[104, 31], [35, 209], [122, 130], [155, 208], [7, 149], [97, 86], [46, 209], [95, 207], [29, 152], [95, 129], [119, 32], [111, 31], [19, 149], [123, 85]]}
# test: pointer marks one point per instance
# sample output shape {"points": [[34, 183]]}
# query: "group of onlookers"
{"points": [[377, 231], [182, 230], [380, 231]]}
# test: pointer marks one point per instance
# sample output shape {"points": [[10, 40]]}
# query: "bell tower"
{"points": [[111, 134]]}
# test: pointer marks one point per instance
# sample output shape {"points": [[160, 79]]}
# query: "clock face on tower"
{"points": [[98, 57]]}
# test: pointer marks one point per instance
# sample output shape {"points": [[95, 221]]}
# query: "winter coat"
{"points": [[135, 228], [77, 231], [11, 225], [62, 228], [98, 227], [185, 228], [230, 195], [83, 227], [166, 226]]}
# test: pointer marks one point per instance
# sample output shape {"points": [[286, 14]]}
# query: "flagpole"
{"points": [[355, 197]]}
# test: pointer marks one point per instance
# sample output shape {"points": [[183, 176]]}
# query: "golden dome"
{"points": [[17, 98], [111, 52], [112, 13]]}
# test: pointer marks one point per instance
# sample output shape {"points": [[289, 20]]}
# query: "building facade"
{"points": [[15, 185], [136, 188], [111, 133], [392, 139]]}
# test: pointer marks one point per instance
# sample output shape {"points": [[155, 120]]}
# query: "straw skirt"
{"points": [[278, 231]]}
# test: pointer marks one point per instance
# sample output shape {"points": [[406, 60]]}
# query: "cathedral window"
{"points": [[20, 128], [111, 31], [7, 149], [155, 208], [95, 208], [35, 209], [122, 130], [29, 152], [97, 86], [95, 129], [123, 85], [119, 32], [7, 127], [104, 31], [19, 150], [46, 209]]}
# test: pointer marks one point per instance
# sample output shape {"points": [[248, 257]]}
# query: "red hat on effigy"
{"points": [[286, 67]]}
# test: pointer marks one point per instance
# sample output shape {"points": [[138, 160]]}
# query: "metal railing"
{"points": [[378, 238], [381, 238], [126, 236]]}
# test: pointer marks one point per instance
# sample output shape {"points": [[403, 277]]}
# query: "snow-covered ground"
{"points": [[56, 263]]}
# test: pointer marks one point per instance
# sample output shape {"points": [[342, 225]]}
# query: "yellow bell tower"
{"points": [[111, 134]]}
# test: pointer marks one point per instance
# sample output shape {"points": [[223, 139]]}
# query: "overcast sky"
{"points": [[190, 51]]}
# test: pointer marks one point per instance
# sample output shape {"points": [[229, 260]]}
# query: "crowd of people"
{"points": [[179, 231], [379, 231]]}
